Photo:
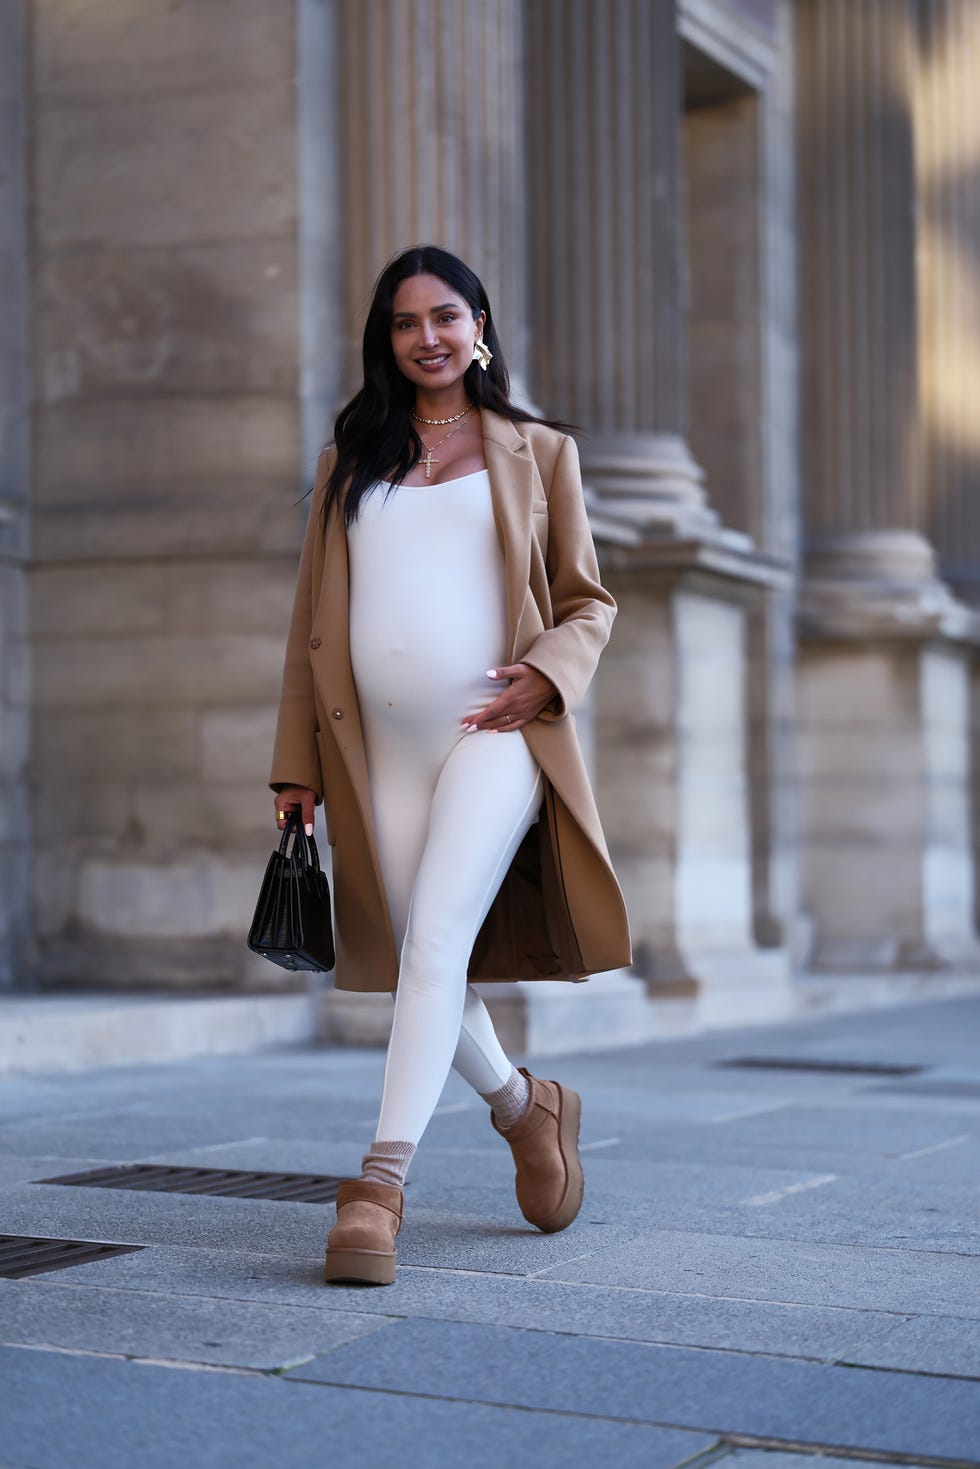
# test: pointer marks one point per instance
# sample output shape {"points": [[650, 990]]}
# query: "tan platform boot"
{"points": [[361, 1245], [549, 1183]]}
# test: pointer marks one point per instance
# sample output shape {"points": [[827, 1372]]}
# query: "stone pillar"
{"points": [[948, 228], [608, 319], [432, 147], [169, 227], [606, 283], [883, 661], [15, 826]]}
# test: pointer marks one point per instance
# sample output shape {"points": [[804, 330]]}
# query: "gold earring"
{"points": [[482, 353]]}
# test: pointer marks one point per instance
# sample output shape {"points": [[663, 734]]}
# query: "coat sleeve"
{"points": [[583, 610], [295, 758]]}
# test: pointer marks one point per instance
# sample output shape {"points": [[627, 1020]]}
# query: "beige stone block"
{"points": [[226, 451], [647, 882], [208, 814], [168, 170], [236, 746], [208, 670], [90, 53], [55, 891], [103, 745], [860, 754], [865, 894], [182, 597], [213, 320], [71, 815], [637, 688], [136, 900], [182, 529], [635, 783], [857, 687], [875, 816]]}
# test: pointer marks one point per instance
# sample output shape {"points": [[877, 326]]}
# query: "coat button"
{"points": [[337, 713], [314, 642]]}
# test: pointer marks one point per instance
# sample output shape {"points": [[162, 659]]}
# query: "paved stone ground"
{"points": [[770, 1265]]}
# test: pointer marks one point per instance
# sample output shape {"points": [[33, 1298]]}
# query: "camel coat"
{"points": [[559, 913]]}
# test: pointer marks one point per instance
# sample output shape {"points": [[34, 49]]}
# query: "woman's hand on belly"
{"points": [[521, 701]]}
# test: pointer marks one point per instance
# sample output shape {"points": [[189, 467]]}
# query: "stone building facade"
{"points": [[735, 240]]}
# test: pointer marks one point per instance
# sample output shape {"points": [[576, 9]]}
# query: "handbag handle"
{"points": [[294, 828]]}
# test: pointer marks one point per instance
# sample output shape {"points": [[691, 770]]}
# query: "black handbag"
{"points": [[292, 924]]}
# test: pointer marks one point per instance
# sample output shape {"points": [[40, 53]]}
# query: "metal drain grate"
{"points": [[296, 1188], [803, 1063], [23, 1255]]}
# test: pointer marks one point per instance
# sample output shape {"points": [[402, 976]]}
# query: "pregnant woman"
{"points": [[448, 616]]}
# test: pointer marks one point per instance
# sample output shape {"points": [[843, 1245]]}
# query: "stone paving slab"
{"points": [[52, 1311], [874, 1279], [879, 1134], [942, 1344], [775, 1459], [157, 1418], [720, 1392], [465, 1239], [815, 1332]]}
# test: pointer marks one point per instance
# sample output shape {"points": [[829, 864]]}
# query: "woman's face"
{"points": [[432, 332]]}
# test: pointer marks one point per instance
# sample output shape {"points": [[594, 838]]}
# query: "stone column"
{"points": [[432, 147], [948, 228], [15, 825], [607, 305], [606, 285], [883, 660]]}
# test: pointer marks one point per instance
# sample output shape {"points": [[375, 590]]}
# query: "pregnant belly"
{"points": [[403, 676]]}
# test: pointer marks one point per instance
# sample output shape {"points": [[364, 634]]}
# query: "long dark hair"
{"points": [[374, 432]]}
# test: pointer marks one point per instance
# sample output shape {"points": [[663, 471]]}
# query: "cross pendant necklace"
{"points": [[428, 458]]}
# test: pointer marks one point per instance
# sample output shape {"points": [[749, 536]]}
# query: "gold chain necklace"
{"points": [[439, 422], [427, 459]]}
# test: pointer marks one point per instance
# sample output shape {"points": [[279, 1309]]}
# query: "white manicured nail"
{"points": [[309, 828], [491, 673]]}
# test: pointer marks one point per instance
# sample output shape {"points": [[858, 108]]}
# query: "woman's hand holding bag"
{"points": [[292, 925]]}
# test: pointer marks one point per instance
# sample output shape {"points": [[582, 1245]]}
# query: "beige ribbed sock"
{"points": [[387, 1162], [510, 1101]]}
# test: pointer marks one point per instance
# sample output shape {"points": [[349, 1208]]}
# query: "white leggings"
{"points": [[445, 844]]}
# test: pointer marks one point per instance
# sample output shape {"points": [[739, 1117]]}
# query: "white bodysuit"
{"points": [[428, 617]]}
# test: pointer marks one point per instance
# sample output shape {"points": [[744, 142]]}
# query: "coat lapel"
{"points": [[511, 470]]}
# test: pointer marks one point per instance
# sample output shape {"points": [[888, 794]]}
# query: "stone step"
{"points": [[76, 1032]]}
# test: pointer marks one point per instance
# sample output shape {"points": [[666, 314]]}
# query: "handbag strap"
{"points": [[304, 848]]}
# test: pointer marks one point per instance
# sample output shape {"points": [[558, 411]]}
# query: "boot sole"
{"points": [[568, 1131], [359, 1267]]}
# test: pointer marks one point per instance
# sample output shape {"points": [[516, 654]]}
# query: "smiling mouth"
{"points": [[433, 361]]}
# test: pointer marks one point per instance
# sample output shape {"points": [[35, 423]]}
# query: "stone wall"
{"points": [[167, 348], [15, 872]]}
